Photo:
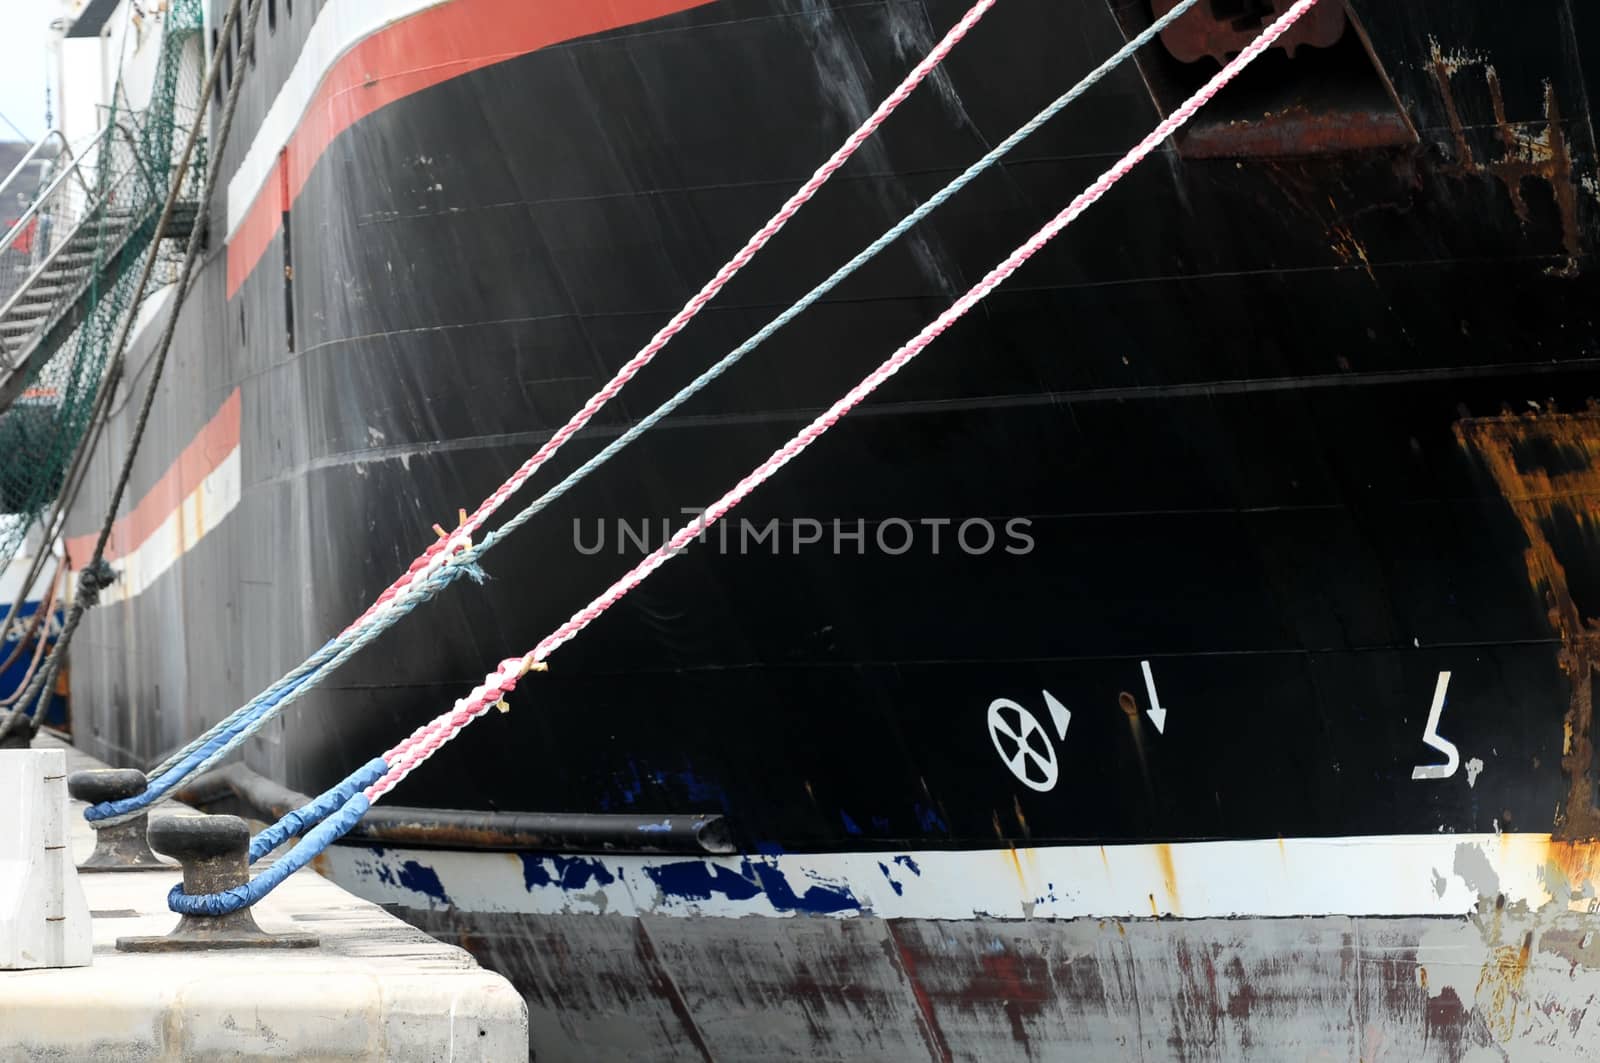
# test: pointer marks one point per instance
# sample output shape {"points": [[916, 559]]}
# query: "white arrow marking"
{"points": [[1157, 714], [1430, 737], [1058, 713]]}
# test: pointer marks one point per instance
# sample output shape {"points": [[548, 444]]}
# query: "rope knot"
{"points": [[460, 555], [94, 579], [459, 552], [463, 543]]}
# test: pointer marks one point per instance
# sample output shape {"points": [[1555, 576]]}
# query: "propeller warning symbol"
{"points": [[1023, 744]]}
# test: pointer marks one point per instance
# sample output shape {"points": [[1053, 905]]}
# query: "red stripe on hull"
{"points": [[416, 53], [209, 448]]}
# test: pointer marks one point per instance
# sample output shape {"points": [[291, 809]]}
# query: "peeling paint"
{"points": [[1435, 875], [418, 878], [570, 872], [697, 880], [1535, 150], [1472, 866], [1570, 872]]}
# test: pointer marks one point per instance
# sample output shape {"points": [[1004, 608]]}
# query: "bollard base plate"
{"points": [[125, 861], [124, 848], [210, 940], [205, 933]]}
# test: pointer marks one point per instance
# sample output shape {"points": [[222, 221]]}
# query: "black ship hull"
{"points": [[1260, 507]]}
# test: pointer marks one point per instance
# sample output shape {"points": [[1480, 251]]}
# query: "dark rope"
{"points": [[41, 682], [96, 577]]}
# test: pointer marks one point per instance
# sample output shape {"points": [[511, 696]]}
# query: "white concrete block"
{"points": [[374, 989], [44, 918]]}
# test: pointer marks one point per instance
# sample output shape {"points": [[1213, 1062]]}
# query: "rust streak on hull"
{"points": [[1547, 467]]}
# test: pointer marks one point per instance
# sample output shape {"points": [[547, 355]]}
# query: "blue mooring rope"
{"points": [[224, 737], [331, 816]]}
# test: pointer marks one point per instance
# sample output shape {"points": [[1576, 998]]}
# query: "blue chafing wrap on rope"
{"points": [[294, 822], [225, 736], [174, 772], [320, 837]]}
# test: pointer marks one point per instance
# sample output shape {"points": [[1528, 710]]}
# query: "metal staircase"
{"points": [[74, 239], [76, 228]]}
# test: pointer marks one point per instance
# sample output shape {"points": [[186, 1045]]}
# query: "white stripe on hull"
{"points": [[340, 26], [200, 512], [1412, 875]]}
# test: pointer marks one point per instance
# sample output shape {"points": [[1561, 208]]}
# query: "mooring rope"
{"points": [[448, 558], [426, 740]]}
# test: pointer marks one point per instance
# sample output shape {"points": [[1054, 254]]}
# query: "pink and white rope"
{"points": [[405, 757], [443, 549]]}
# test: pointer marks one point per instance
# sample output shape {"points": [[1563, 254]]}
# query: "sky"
{"points": [[24, 27]]}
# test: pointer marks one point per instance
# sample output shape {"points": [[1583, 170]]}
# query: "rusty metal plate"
{"points": [[1221, 28]]}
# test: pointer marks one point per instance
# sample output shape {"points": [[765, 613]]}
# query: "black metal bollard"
{"points": [[122, 847], [214, 852]]}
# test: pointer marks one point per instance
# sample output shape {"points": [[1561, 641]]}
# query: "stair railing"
{"points": [[55, 246], [36, 153]]}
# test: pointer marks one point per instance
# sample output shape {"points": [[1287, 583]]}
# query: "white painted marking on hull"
{"points": [[1025, 755], [1157, 714], [1431, 738], [1058, 714]]}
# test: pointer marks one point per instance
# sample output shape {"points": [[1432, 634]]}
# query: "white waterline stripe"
{"points": [[1389, 875], [199, 514]]}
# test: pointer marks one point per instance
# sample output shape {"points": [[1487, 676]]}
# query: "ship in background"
{"points": [[31, 601], [1273, 741], [33, 616]]}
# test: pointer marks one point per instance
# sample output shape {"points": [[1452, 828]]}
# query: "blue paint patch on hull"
{"points": [[929, 820], [422, 879], [696, 880], [641, 785], [564, 872], [821, 899]]}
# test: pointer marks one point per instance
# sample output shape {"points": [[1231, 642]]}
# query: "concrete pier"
{"points": [[374, 988]]}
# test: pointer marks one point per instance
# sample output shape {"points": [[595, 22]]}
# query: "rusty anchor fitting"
{"points": [[214, 852], [121, 847]]}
